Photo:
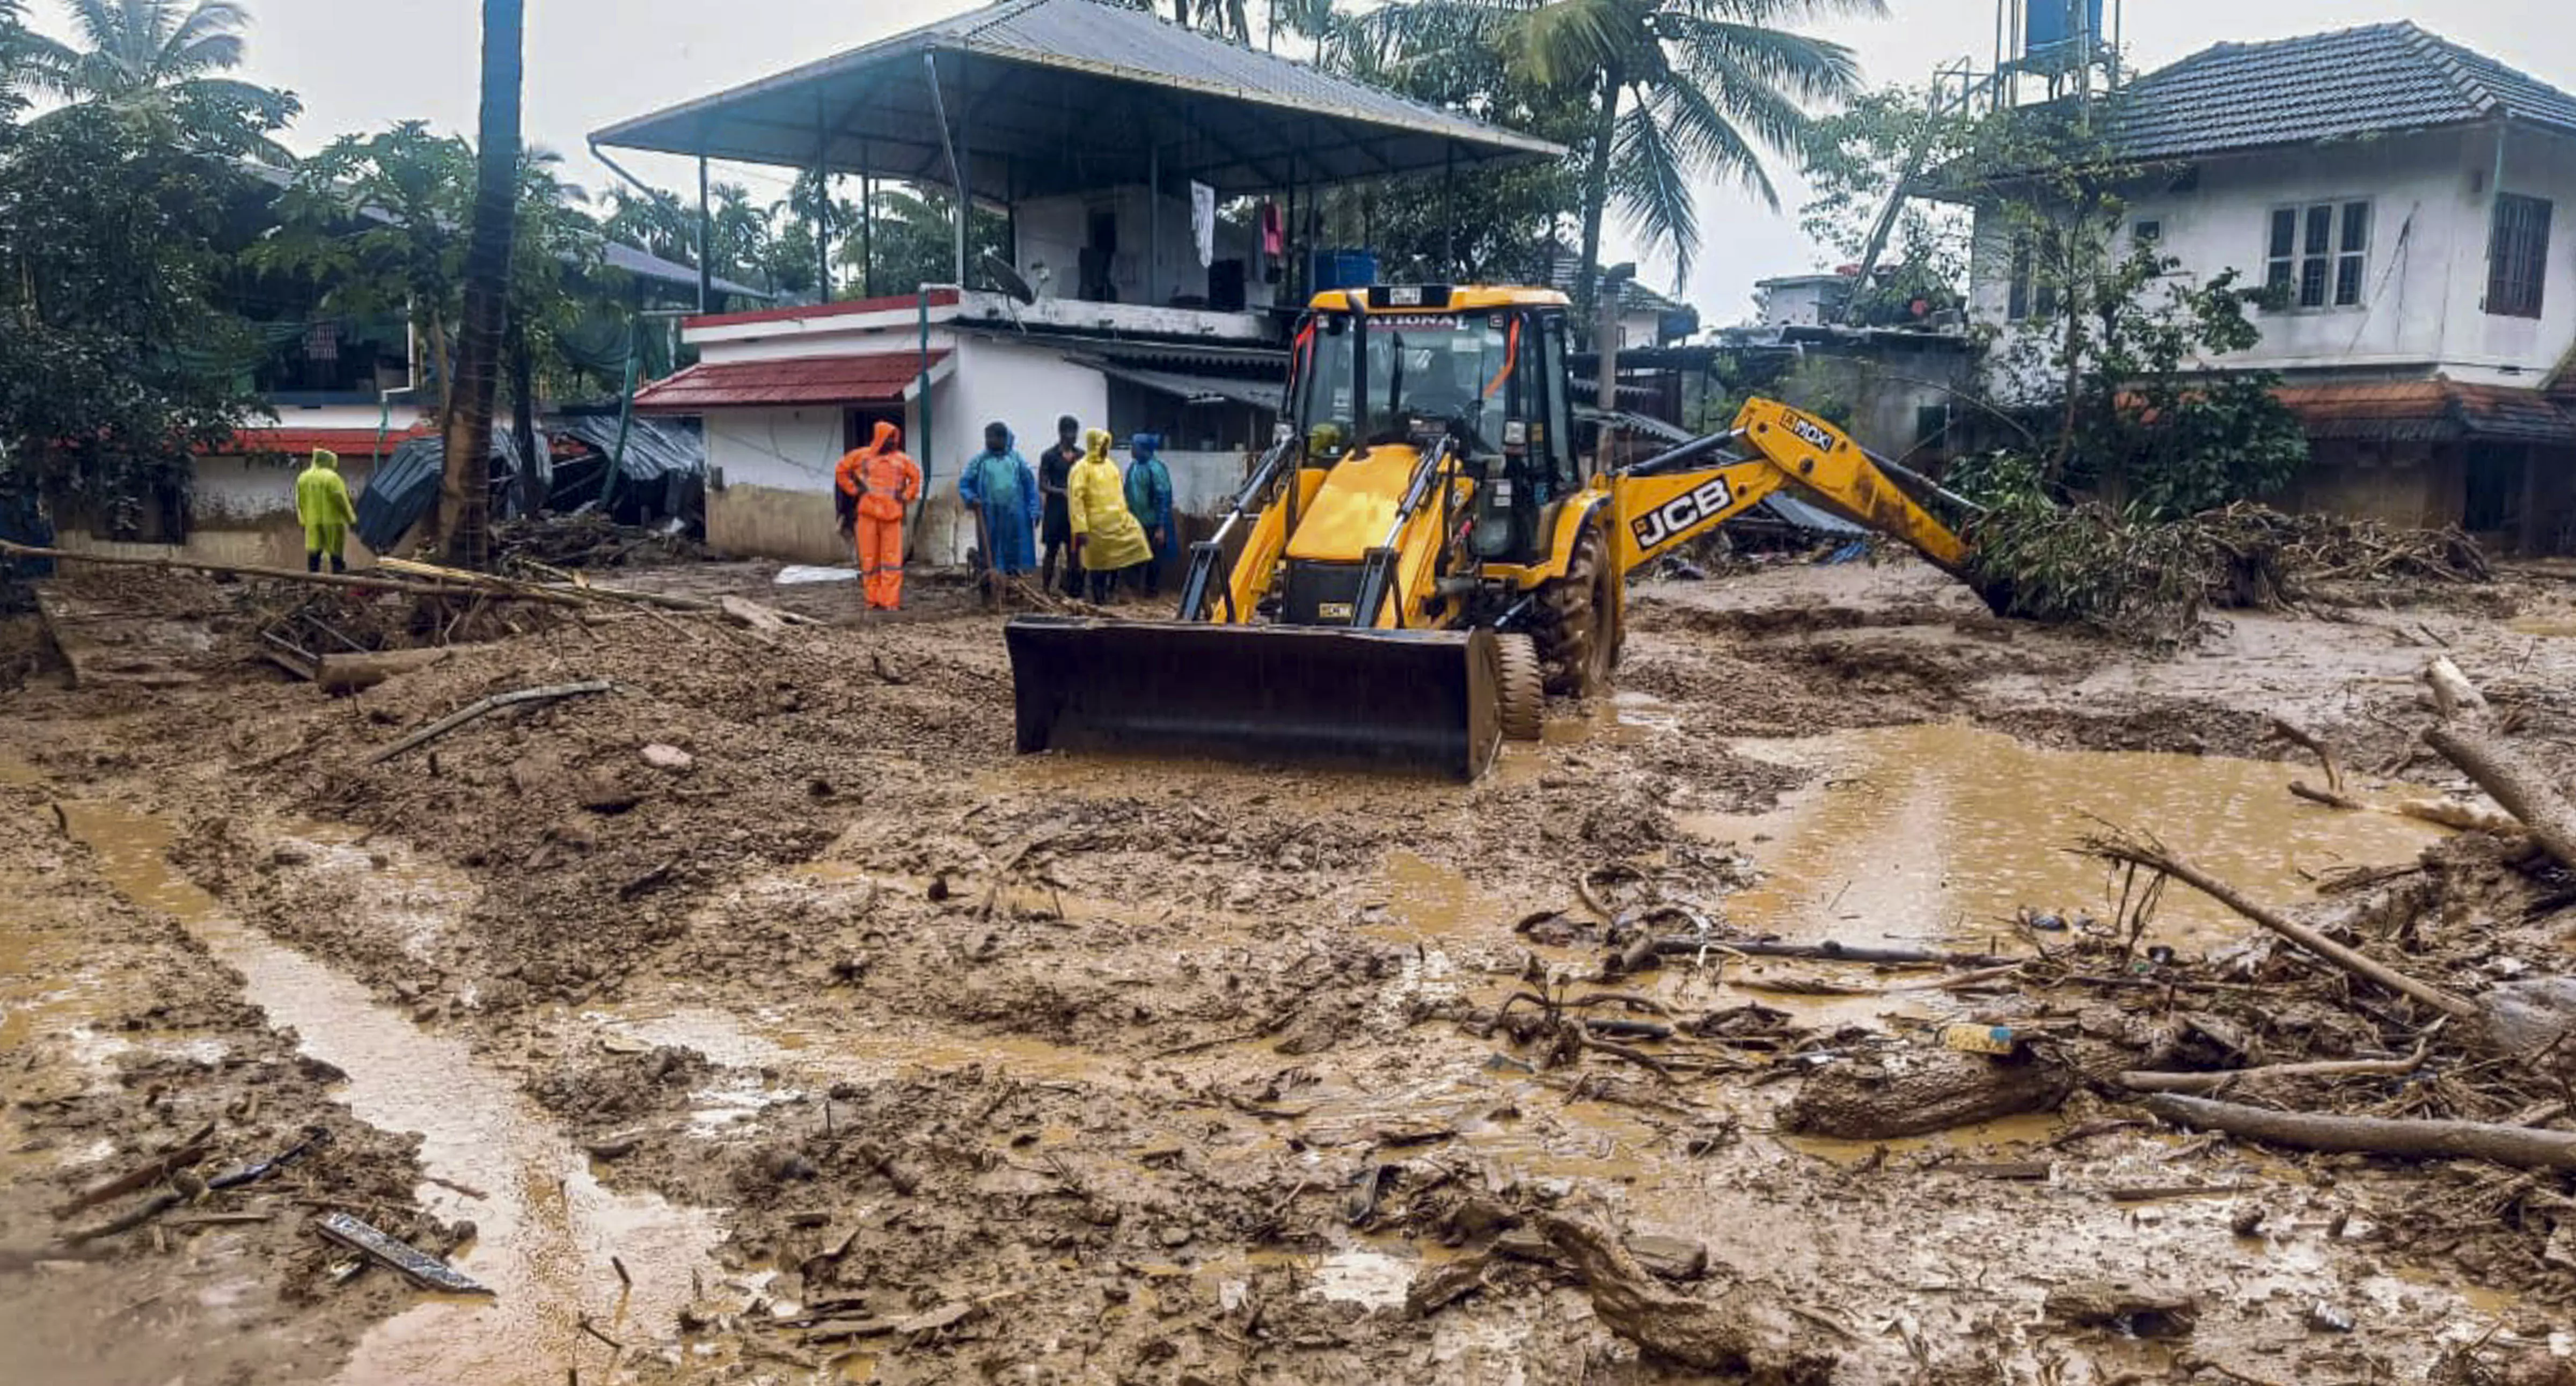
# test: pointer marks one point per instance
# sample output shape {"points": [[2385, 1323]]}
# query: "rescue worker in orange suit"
{"points": [[876, 482]]}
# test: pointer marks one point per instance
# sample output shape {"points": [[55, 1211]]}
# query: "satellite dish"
{"points": [[1007, 279]]}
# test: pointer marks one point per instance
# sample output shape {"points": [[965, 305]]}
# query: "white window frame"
{"points": [[2339, 255]]}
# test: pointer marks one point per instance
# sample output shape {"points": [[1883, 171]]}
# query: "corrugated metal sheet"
{"points": [[2378, 80], [1195, 389], [797, 380], [655, 448], [1060, 90], [403, 487]]}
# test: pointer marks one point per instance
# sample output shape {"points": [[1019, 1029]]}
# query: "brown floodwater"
{"points": [[1943, 833], [546, 1226]]}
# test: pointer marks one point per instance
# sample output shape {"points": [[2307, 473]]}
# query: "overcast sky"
{"points": [[591, 62]]}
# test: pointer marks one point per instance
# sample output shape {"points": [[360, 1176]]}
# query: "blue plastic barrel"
{"points": [[1343, 269]]}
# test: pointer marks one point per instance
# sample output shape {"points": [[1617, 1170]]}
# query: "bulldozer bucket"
{"points": [[1421, 702]]}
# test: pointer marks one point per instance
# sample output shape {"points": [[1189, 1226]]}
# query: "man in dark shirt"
{"points": [[1055, 528]]}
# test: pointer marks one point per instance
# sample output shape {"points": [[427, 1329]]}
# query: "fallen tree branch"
{"points": [[2518, 1146], [2154, 857], [1712, 1337], [2300, 736], [468, 713], [2331, 798], [439, 587], [2219, 1081], [1829, 951], [2513, 783], [2468, 818], [2453, 694]]}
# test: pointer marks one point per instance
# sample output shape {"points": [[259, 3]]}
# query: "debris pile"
{"points": [[2094, 565], [589, 539]]}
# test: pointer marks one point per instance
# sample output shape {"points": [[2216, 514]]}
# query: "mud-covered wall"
{"points": [[240, 510], [2394, 483]]}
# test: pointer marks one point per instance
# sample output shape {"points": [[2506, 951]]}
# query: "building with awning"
{"points": [[1158, 188]]}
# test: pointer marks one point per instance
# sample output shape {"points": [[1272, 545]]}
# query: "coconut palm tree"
{"points": [[1678, 91], [160, 53], [465, 500]]}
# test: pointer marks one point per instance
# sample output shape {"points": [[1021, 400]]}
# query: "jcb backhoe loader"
{"points": [[1421, 557]]}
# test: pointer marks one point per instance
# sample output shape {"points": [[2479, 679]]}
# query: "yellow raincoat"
{"points": [[322, 505], [1095, 500]]}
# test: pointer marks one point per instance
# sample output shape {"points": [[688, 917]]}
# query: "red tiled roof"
{"points": [[2429, 411], [297, 442], [939, 298], [796, 380]]}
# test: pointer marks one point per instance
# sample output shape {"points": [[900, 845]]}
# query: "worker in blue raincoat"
{"points": [[1000, 485], [1149, 499]]}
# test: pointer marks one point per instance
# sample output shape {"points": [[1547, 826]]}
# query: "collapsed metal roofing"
{"points": [[1054, 96], [2383, 79]]}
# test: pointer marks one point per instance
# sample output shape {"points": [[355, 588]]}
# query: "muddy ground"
{"points": [[767, 1019]]}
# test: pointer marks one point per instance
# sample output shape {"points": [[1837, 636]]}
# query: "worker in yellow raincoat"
{"points": [[1106, 537], [322, 507]]}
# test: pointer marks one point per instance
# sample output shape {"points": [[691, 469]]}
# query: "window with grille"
{"points": [[2318, 256], [2518, 256]]}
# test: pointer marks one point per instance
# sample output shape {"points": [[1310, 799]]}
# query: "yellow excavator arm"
{"points": [[1668, 500]]}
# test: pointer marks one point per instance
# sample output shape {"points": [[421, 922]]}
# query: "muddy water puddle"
{"points": [[1943, 832], [546, 1227]]}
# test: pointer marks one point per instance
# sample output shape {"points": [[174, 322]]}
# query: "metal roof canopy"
{"points": [[1049, 97]]}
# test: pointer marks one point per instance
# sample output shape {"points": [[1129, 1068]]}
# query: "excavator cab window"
{"points": [[1404, 377]]}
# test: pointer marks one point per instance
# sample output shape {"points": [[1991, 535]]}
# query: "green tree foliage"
{"points": [[114, 362], [162, 54], [1672, 93], [1854, 161], [379, 222], [913, 240]]}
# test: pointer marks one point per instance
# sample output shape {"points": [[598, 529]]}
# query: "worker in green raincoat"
{"points": [[322, 507]]}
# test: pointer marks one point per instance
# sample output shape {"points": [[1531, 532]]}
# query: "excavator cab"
{"points": [[1400, 366]]}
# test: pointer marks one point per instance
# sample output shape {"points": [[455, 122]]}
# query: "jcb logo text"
{"points": [[1674, 517]]}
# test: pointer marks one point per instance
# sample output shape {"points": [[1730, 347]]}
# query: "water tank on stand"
{"points": [[2059, 33]]}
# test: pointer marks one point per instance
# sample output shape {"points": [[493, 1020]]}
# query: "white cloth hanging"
{"points": [[1203, 222]]}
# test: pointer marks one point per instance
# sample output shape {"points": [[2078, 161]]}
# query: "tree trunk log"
{"points": [[348, 673], [2511, 780], [2518, 1146], [432, 587], [1915, 1092]]}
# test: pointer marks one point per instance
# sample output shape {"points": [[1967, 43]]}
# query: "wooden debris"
{"points": [[186, 1153], [1700, 1334], [2326, 759], [1829, 951], [1914, 1092], [2125, 1308], [466, 714], [2220, 1081], [2152, 855], [2512, 782], [2455, 699], [348, 673], [2518, 1146]]}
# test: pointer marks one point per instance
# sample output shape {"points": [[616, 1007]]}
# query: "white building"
{"points": [[784, 392], [1153, 179], [2416, 201]]}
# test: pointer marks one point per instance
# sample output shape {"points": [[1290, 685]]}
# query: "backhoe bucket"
{"points": [[1421, 702]]}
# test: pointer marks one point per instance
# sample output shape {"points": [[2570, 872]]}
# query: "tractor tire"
{"points": [[1521, 688], [1577, 628]]}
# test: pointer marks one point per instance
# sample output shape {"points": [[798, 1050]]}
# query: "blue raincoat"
{"points": [[1149, 495], [1007, 491]]}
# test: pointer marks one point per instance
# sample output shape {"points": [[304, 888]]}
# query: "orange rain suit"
{"points": [[882, 481]]}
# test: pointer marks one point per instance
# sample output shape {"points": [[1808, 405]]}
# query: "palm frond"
{"points": [[1710, 132], [208, 39], [1650, 185], [1569, 43], [1802, 68]]}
